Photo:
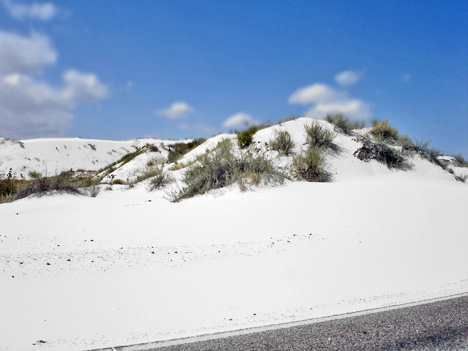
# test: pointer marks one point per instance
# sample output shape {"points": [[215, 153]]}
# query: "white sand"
{"points": [[123, 269]]}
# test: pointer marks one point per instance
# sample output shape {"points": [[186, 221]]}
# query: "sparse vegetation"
{"points": [[34, 175], [310, 166], [221, 168], [383, 153], [321, 138], [118, 182], [342, 123], [245, 137], [177, 150], [7, 187], [383, 131], [160, 181], [282, 142], [44, 185]]}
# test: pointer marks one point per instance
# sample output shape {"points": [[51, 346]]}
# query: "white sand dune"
{"points": [[129, 266]]}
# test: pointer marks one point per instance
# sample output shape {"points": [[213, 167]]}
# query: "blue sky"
{"points": [[121, 69]]}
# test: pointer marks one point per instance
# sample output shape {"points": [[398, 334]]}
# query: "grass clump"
{"points": [[282, 142], [343, 124], [177, 150], [310, 166], [220, 168], [321, 138], [383, 131], [160, 181], [245, 137]]}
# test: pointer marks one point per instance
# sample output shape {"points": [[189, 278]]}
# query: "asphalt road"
{"points": [[441, 325]]}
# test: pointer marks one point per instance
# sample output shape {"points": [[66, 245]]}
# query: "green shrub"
{"points": [[382, 153], [383, 131], [148, 172], [221, 168], [404, 140], [245, 137], [160, 181], [118, 181], [319, 137], [177, 150], [461, 160], [152, 148], [7, 189], [282, 142], [44, 185], [342, 124], [310, 166], [424, 150], [34, 174]]}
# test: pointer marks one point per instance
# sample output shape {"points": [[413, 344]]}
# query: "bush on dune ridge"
{"points": [[282, 142], [318, 136], [343, 124], [221, 168]]}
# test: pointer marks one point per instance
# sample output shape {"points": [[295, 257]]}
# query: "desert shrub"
{"points": [[424, 150], [342, 124], [404, 140], [383, 131], [34, 174], [282, 142], [43, 185], [118, 181], [177, 150], [148, 172], [221, 168], [93, 190], [245, 137], [85, 182], [160, 181], [7, 186], [152, 148], [319, 137], [310, 166], [382, 153], [156, 161], [461, 160]]}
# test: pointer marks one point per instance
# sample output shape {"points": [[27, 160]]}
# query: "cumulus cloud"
{"points": [[44, 11], [327, 100], [239, 120], [30, 107], [25, 55], [177, 110], [348, 77]]}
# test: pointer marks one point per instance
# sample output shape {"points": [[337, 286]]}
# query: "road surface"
{"points": [[441, 325]]}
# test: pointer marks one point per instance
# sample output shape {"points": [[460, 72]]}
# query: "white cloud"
{"points": [[177, 110], [44, 11], [239, 120], [314, 93], [348, 77], [25, 55], [29, 108], [327, 100]]}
